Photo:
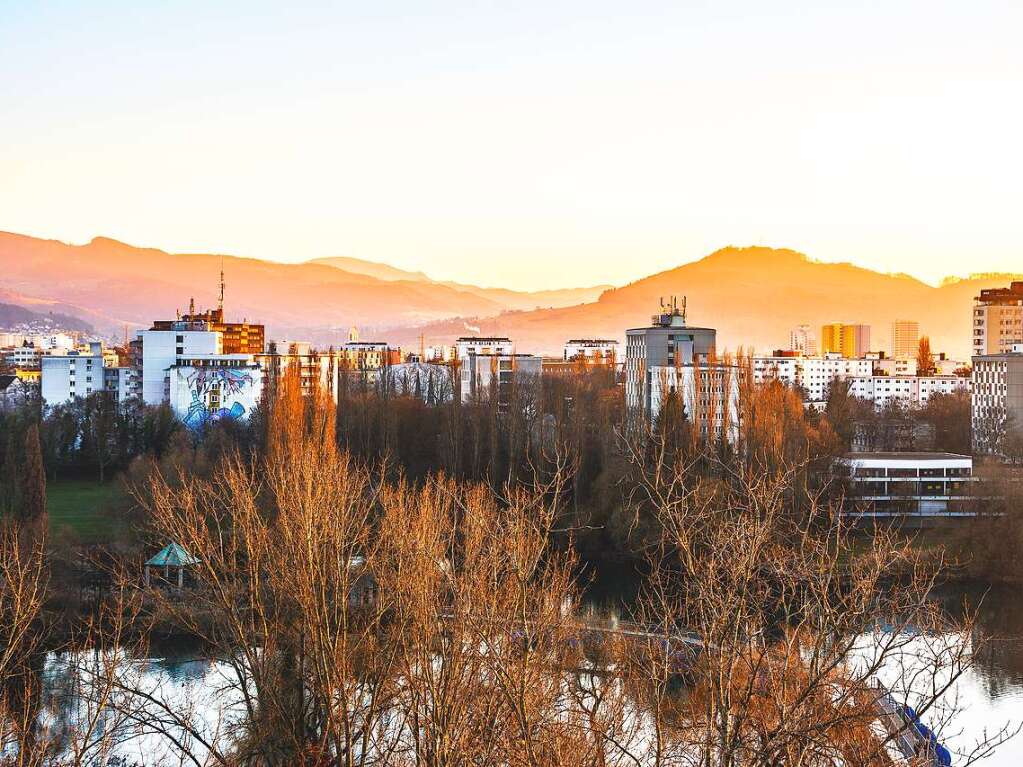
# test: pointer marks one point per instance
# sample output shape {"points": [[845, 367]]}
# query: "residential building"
{"points": [[160, 348], [429, 381], [913, 391], [905, 339], [802, 340], [467, 345], [81, 373], [997, 400], [202, 389], [369, 355], [236, 337], [670, 356], [317, 369], [24, 356], [812, 375], [908, 484], [599, 351], [998, 319], [710, 396], [75, 374], [848, 340], [486, 375]]}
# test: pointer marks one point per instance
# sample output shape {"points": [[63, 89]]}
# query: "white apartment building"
{"points": [[161, 349], [913, 391], [23, 356], [710, 396], [483, 376], [997, 400], [467, 345], [811, 374], [75, 374], [998, 319], [601, 350], [80, 373]]}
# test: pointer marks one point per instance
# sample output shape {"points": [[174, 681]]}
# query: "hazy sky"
{"points": [[521, 143]]}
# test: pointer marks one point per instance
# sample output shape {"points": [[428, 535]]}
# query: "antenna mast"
{"points": [[221, 306]]}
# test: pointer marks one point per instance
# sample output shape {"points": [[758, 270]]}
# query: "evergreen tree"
{"points": [[33, 479]]}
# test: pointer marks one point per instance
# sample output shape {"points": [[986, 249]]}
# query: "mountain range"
{"points": [[753, 295]]}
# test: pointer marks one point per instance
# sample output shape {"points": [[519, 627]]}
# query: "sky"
{"points": [[521, 144]]}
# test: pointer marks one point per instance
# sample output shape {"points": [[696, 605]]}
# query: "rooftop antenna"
{"points": [[221, 305], [191, 306]]}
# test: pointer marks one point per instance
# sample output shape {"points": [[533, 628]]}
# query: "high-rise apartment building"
{"points": [[849, 340], [997, 401], [905, 339], [803, 341], [671, 357], [998, 319]]}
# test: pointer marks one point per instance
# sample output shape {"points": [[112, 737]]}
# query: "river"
{"points": [[989, 695]]}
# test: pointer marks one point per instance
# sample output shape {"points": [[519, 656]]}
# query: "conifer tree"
{"points": [[33, 479]]}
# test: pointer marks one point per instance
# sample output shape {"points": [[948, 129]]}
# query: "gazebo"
{"points": [[171, 555]]}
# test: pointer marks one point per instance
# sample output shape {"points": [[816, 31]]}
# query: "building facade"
{"points": [[997, 399], [913, 391], [998, 319], [802, 340], [601, 351], [485, 376], [908, 484], [848, 340], [905, 339], [203, 389], [467, 345]]}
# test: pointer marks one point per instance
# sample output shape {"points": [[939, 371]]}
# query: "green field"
{"points": [[81, 505]]}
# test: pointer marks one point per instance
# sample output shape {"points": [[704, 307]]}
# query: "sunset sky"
{"points": [[523, 144]]}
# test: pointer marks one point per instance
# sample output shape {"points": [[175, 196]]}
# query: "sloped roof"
{"points": [[172, 555]]}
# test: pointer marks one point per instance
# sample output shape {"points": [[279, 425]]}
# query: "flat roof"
{"points": [[906, 456]]}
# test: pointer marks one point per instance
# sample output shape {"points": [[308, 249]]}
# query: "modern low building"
{"points": [[908, 484], [997, 399]]}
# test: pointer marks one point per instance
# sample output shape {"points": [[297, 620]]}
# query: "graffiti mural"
{"points": [[201, 381]]}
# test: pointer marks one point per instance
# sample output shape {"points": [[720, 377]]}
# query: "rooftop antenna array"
{"points": [[221, 304]]}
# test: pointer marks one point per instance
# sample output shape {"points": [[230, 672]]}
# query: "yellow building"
{"points": [[850, 340], [29, 376]]}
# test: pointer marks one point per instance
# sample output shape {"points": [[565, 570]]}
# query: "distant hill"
{"points": [[12, 315], [132, 285], [753, 296], [508, 299]]}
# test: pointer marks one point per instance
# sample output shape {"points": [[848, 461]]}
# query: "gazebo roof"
{"points": [[172, 555]]}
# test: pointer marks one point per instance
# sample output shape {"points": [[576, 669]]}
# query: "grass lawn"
{"points": [[80, 505]]}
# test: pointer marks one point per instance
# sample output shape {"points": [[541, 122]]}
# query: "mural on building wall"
{"points": [[201, 380]]}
